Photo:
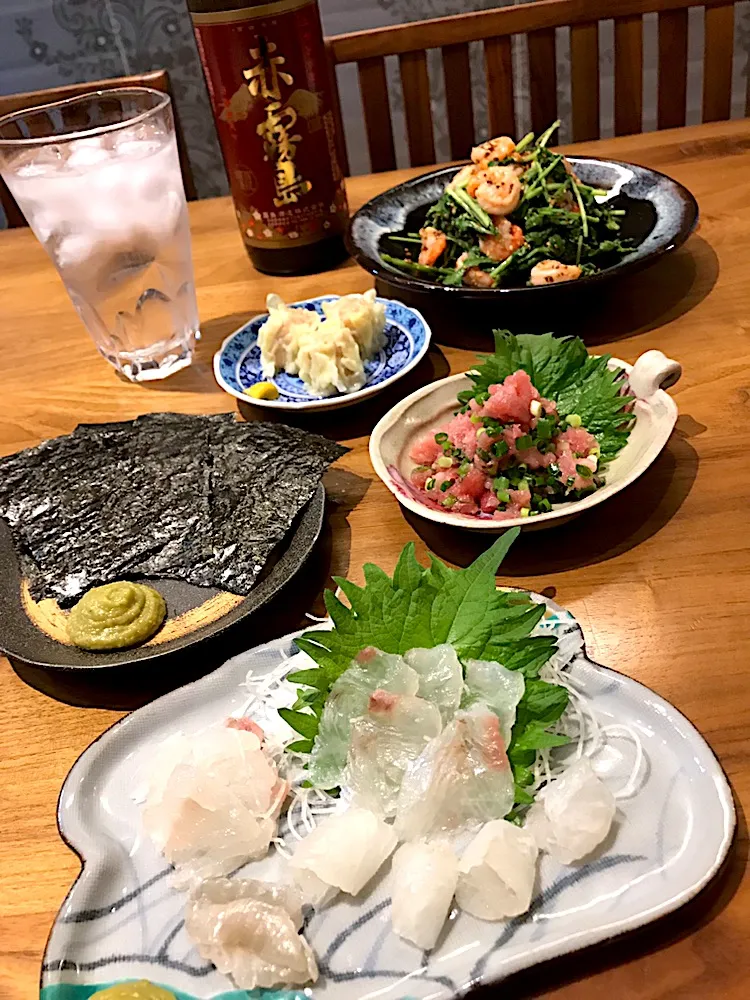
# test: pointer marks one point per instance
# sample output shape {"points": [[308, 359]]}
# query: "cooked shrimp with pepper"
{"points": [[517, 214]]}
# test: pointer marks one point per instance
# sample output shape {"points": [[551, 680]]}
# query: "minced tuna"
{"points": [[510, 456]]}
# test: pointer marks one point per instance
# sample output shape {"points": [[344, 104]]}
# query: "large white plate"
{"points": [[122, 920], [432, 406]]}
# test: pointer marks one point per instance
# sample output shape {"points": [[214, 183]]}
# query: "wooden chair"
{"points": [[157, 79], [537, 21]]}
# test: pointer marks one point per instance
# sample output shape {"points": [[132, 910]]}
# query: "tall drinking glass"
{"points": [[98, 179]]}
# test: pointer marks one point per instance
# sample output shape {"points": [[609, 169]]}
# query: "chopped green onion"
{"points": [[444, 462], [525, 512], [524, 442], [536, 408], [544, 505], [584, 471], [475, 419], [464, 468], [522, 484], [445, 486], [430, 484], [503, 496], [500, 448], [545, 427], [448, 501], [484, 455], [442, 436], [501, 483], [574, 420]]}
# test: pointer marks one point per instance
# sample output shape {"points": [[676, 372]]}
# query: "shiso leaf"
{"points": [[423, 607]]}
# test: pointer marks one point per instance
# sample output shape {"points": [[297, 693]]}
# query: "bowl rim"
{"points": [[322, 402], [558, 513], [632, 262]]}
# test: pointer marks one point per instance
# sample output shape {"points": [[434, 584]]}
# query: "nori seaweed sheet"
{"points": [[202, 498]]}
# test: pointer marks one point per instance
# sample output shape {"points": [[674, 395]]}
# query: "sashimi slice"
{"points": [[497, 687], [461, 778], [384, 741], [348, 699], [424, 881], [345, 850], [440, 677], [212, 803], [497, 872], [249, 931], [573, 814]]}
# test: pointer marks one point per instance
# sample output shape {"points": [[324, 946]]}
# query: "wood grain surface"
{"points": [[658, 577]]}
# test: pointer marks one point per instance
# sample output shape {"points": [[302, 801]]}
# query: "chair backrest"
{"points": [[538, 21], [157, 79]]}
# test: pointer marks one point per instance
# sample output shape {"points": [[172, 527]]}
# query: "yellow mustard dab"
{"points": [[135, 990], [262, 390], [116, 616]]}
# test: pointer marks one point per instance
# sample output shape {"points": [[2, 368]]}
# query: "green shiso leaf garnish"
{"points": [[426, 606]]}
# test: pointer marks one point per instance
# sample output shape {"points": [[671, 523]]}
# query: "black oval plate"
{"points": [[128, 677], [661, 214]]}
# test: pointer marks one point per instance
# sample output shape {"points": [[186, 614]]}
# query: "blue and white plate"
{"points": [[237, 362], [122, 919]]}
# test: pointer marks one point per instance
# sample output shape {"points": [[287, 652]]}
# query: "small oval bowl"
{"points": [[431, 406], [237, 362]]}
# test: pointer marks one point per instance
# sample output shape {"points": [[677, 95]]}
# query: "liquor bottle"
{"points": [[271, 93]]}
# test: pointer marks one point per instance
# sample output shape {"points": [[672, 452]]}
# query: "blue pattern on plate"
{"points": [[406, 333]]}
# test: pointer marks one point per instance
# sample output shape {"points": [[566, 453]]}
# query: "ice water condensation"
{"points": [[110, 211]]}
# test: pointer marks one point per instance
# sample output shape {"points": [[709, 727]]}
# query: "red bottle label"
{"points": [[270, 91]]}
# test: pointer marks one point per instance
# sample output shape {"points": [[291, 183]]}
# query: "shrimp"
{"points": [[509, 239], [494, 149], [463, 176], [433, 244], [550, 272], [475, 277], [497, 190]]}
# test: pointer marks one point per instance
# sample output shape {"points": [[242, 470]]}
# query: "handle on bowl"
{"points": [[653, 371]]}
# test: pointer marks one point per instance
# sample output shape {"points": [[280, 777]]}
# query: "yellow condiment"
{"points": [[140, 990], [116, 616], [262, 390]]}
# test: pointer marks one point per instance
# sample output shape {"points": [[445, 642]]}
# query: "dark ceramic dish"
{"points": [[127, 678], [661, 214]]}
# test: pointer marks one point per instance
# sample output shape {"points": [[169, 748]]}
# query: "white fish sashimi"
{"points": [[573, 814], [424, 881], [384, 741], [497, 687], [213, 802], [497, 872], [280, 337], [363, 316], [346, 849], [440, 677], [461, 778], [249, 930], [348, 699]]}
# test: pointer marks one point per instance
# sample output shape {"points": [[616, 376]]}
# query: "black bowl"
{"points": [[660, 215]]}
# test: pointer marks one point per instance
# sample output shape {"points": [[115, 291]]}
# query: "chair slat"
{"points": [[415, 83], [673, 37], [498, 68], [373, 87], [584, 80], [458, 99], [337, 116], [628, 75], [717, 63], [542, 78]]}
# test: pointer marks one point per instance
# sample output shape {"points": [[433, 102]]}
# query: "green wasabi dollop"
{"points": [[116, 616]]}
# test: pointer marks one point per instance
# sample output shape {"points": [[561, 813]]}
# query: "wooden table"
{"points": [[658, 578]]}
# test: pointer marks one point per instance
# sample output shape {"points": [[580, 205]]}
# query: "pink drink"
{"points": [[108, 205]]}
